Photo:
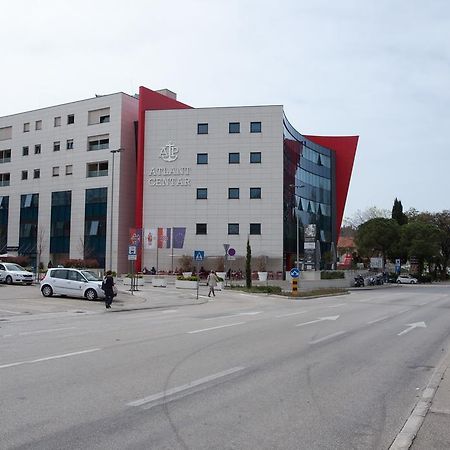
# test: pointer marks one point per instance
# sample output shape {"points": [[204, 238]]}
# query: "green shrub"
{"points": [[191, 278], [81, 263], [332, 275], [259, 289], [424, 278]]}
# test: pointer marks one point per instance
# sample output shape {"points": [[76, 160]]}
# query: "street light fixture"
{"points": [[296, 217], [119, 150]]}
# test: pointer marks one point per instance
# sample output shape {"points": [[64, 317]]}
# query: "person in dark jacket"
{"points": [[107, 287]]}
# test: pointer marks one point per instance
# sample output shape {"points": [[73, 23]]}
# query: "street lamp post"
{"points": [[296, 217], [112, 207]]}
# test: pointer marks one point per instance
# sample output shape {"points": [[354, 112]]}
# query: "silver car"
{"points": [[13, 273], [72, 283], [406, 279]]}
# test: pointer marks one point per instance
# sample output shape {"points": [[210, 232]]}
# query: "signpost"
{"points": [[199, 256], [132, 256], [295, 273]]}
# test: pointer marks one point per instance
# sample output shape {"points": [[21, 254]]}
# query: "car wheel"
{"points": [[413, 282], [9, 280], [90, 294], [399, 282], [47, 290]]}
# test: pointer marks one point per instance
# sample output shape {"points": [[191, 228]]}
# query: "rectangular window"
{"points": [[25, 150], [26, 127], [38, 125], [5, 156], [255, 157], [4, 179], [202, 193], [24, 174], [234, 127], [56, 146], [55, 171], [69, 144], [69, 169], [202, 158], [255, 192], [98, 142], [5, 133], [98, 169], [255, 127], [201, 228], [57, 121], [104, 119], [233, 158], [37, 173], [202, 128], [70, 119], [255, 228], [233, 193], [37, 149], [233, 228], [97, 116]]}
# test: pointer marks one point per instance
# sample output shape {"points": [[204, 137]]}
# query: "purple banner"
{"points": [[178, 234]]}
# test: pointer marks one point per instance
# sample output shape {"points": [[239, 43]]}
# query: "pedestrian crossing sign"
{"points": [[199, 255]]}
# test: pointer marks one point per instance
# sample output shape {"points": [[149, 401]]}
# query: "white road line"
{"points": [[336, 306], [379, 320], [50, 330], [330, 336], [48, 358], [176, 390], [290, 314], [251, 313], [8, 311], [215, 328]]}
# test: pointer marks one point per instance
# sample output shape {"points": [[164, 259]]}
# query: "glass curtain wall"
{"points": [[95, 225], [4, 208], [28, 228], [60, 226]]}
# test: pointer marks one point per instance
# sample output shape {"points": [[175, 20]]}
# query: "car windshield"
{"points": [[14, 267], [90, 276]]}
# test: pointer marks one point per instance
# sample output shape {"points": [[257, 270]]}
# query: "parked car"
{"points": [[406, 279], [72, 283], [13, 273]]}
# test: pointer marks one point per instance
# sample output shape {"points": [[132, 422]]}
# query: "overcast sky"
{"points": [[379, 69]]}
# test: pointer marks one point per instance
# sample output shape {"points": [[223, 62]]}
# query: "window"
{"points": [[202, 158], [55, 171], [233, 193], [104, 119], [255, 228], [98, 142], [57, 121], [4, 179], [37, 149], [98, 169], [24, 174], [69, 169], [233, 228], [69, 144], [37, 173], [233, 158], [97, 116], [255, 157], [25, 150], [56, 146], [234, 127], [70, 119], [26, 127], [202, 193], [255, 192], [201, 228], [38, 125], [255, 127], [5, 156], [202, 128], [5, 133]]}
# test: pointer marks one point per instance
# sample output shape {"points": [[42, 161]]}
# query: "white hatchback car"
{"points": [[72, 283], [13, 273], [406, 279]]}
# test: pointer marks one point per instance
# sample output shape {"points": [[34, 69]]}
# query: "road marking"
{"points": [[50, 330], [378, 320], [320, 319], [8, 311], [48, 358], [252, 313], [170, 394], [411, 327], [215, 328], [330, 336], [291, 314], [336, 306]]}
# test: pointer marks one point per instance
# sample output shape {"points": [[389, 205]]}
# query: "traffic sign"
{"points": [[199, 255], [295, 273], [231, 251], [132, 249]]}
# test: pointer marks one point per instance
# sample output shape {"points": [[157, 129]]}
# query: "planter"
{"points": [[262, 276], [182, 284], [137, 281], [219, 286], [187, 274], [159, 282], [221, 275]]}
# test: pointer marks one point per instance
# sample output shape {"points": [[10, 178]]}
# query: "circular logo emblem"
{"points": [[169, 153]]}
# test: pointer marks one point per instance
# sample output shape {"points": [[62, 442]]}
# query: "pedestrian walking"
{"points": [[108, 288], [212, 281]]}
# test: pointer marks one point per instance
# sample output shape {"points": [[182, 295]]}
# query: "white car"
{"points": [[406, 279], [72, 283], [13, 273]]}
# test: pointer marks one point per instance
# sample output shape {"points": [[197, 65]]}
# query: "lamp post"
{"points": [[296, 217], [112, 207]]}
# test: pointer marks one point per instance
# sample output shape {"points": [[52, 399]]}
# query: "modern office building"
{"points": [[76, 179]]}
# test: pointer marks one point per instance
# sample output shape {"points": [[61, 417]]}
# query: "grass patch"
{"points": [[258, 289], [317, 292]]}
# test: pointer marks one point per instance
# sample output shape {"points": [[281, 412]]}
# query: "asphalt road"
{"points": [[240, 372]]}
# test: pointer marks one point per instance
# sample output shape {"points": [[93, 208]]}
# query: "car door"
{"points": [[59, 281], [75, 283], [2, 273]]}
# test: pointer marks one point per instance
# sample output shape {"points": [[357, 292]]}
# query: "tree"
{"points": [[377, 236], [360, 217], [248, 267], [397, 213]]}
